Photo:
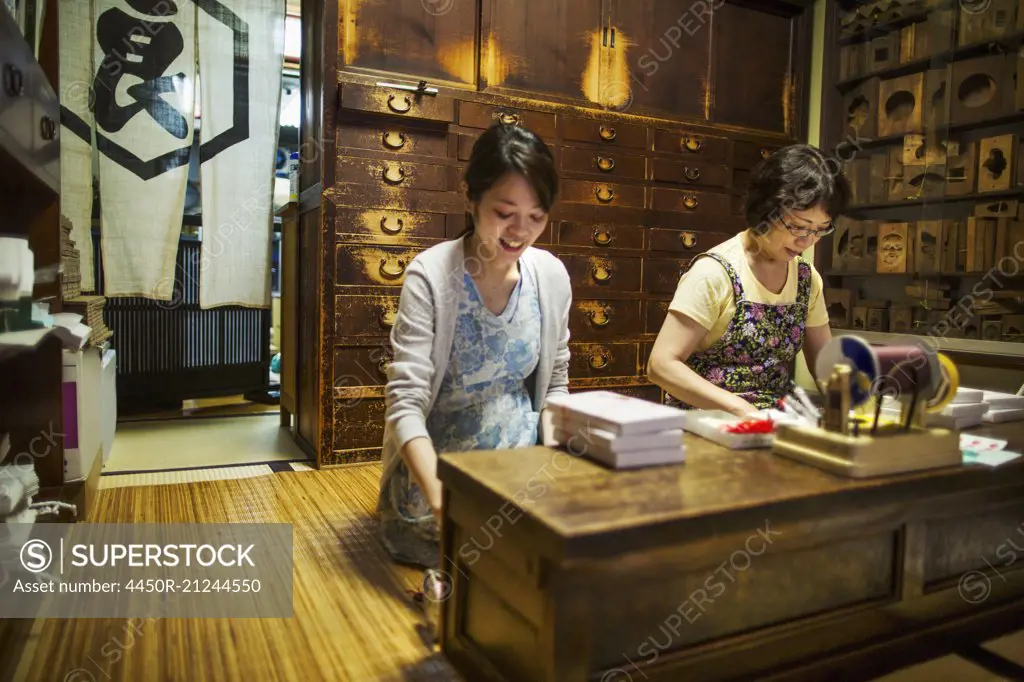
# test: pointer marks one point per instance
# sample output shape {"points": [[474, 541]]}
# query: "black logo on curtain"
{"points": [[146, 49]]}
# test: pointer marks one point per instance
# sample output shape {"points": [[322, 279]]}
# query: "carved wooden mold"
{"points": [[901, 105]]}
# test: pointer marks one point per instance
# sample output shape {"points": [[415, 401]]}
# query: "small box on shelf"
{"points": [[928, 243], [839, 303], [859, 318], [884, 53], [981, 89], [901, 320]]}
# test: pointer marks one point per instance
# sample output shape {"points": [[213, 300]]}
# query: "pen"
{"points": [[801, 395]]}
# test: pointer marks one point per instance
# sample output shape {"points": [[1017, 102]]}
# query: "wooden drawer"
{"points": [[612, 272], [650, 392], [393, 174], [599, 320], [357, 265], [391, 224], [692, 173], [602, 194], [693, 145], [361, 365], [601, 235], [364, 315], [387, 137], [604, 133], [684, 241], [608, 163], [400, 103], [358, 423], [589, 360], [645, 355], [747, 155], [706, 205], [661, 275], [655, 314], [476, 115]]}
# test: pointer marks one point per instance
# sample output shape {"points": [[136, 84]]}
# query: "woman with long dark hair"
{"points": [[480, 340], [747, 307]]}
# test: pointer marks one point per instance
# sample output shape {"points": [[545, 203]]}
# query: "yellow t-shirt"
{"points": [[705, 293]]}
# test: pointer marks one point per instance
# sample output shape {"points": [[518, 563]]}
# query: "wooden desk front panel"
{"points": [[800, 590]]}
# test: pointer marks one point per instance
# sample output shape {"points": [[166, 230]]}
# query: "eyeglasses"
{"points": [[807, 231]]}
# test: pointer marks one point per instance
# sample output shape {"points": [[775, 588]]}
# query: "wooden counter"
{"points": [[736, 564]]}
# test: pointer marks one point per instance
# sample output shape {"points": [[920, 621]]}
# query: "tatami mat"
{"points": [[180, 444], [183, 476]]}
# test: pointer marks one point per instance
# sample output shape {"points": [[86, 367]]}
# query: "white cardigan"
{"points": [[422, 336]]}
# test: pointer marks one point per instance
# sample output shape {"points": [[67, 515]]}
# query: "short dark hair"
{"points": [[503, 149], [794, 178]]}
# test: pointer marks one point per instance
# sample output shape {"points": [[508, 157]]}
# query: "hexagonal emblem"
{"points": [[135, 79]]}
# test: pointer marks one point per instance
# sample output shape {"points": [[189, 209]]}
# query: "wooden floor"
{"points": [[354, 619], [354, 615]]}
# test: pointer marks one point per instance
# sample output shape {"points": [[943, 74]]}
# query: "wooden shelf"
{"points": [[887, 27], [1004, 45], [940, 201]]}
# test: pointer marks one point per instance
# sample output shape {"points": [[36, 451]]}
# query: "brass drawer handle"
{"points": [[605, 194], [606, 164], [393, 140], [692, 144], [601, 273], [389, 272], [765, 152], [607, 133], [598, 360], [509, 118], [603, 237], [47, 128], [393, 175], [692, 174], [599, 318], [385, 362], [399, 108], [690, 201], [689, 239], [387, 318], [387, 228]]}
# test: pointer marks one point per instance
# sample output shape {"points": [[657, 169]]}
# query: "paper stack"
{"points": [[617, 430], [18, 485], [70, 262], [91, 310], [966, 410], [1003, 407]]}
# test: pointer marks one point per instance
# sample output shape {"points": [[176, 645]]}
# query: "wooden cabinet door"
{"points": [[660, 55], [548, 47], [429, 39], [755, 65]]}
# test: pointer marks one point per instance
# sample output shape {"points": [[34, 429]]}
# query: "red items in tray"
{"points": [[752, 426]]}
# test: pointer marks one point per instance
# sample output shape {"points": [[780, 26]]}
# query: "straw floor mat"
{"points": [[354, 618]]}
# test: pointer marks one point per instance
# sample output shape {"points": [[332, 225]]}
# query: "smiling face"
{"points": [[782, 245], [508, 218]]}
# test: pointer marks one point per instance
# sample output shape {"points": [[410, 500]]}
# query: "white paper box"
{"points": [[82, 410], [108, 399]]}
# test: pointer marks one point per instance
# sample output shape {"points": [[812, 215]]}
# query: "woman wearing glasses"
{"points": [[746, 307]]}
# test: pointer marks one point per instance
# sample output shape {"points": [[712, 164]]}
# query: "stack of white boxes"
{"points": [[90, 409]]}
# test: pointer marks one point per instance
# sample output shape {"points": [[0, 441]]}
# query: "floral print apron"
{"points": [[754, 356]]}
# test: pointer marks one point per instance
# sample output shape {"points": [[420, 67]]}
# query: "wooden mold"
{"points": [[928, 247], [901, 320], [936, 98], [980, 88], [996, 163], [895, 188], [985, 20], [923, 181], [863, 245], [859, 318], [861, 107], [852, 62], [901, 105], [858, 173], [998, 208], [884, 53], [1013, 328], [839, 303], [980, 244], [961, 169], [992, 330], [878, 188], [877, 320], [841, 243], [934, 35], [950, 230], [893, 242]]}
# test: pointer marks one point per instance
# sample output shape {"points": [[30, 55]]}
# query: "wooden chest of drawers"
{"points": [[637, 203]]}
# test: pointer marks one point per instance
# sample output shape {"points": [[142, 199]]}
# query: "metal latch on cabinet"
{"points": [[420, 89]]}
